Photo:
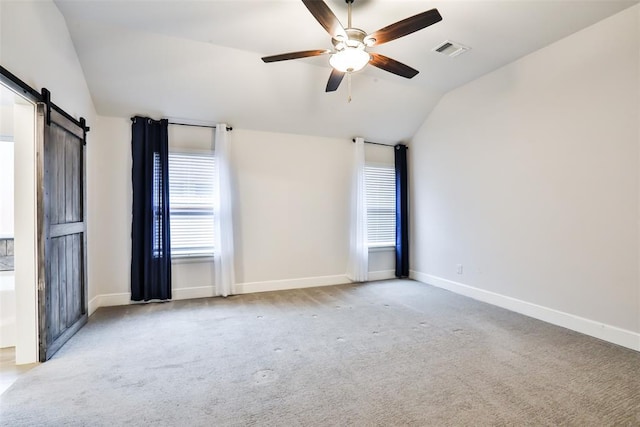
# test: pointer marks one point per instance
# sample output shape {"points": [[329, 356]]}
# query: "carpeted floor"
{"points": [[383, 353]]}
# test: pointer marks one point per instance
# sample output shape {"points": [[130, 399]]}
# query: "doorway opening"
{"points": [[18, 285]]}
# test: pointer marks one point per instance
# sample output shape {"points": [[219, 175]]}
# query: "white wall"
{"points": [[528, 177], [6, 162], [291, 211], [7, 278], [109, 208], [6, 114], [6, 188], [293, 205], [36, 46]]}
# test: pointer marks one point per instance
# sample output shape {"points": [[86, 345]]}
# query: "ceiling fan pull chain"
{"points": [[349, 86]]}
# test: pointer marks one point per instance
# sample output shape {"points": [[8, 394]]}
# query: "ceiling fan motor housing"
{"points": [[356, 38]]}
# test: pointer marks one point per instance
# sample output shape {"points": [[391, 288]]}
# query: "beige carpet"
{"points": [[385, 353]]}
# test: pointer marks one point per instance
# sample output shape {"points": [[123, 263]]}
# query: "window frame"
{"points": [[195, 256], [387, 246]]}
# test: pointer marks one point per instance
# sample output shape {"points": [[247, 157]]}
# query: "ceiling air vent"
{"points": [[450, 48]]}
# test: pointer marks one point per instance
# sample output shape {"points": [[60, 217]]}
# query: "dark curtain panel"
{"points": [[150, 244], [402, 212]]}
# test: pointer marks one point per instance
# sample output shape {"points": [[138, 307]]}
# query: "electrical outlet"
{"points": [[459, 268]]}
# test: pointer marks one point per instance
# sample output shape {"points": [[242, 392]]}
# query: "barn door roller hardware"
{"points": [[12, 81], [82, 123]]}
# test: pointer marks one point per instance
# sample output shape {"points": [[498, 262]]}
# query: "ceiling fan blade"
{"points": [[334, 80], [392, 66], [404, 27], [326, 18], [295, 55]]}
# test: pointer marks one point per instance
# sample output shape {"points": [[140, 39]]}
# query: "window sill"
{"points": [[382, 248], [187, 259]]}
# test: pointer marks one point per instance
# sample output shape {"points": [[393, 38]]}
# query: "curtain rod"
{"points": [[375, 143], [198, 126]]}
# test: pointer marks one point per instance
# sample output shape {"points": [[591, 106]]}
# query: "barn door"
{"points": [[62, 278]]}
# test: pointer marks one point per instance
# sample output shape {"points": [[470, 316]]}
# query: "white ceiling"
{"points": [[199, 61]]}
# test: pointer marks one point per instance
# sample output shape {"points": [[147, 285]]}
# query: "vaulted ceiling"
{"points": [[199, 61]]}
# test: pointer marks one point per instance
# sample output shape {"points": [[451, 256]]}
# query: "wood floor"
{"points": [[9, 371]]}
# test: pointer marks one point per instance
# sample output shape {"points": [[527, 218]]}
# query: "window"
{"points": [[191, 198], [156, 203], [381, 205]]}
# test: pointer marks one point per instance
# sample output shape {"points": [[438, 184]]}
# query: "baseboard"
{"points": [[382, 275], [109, 300], [193, 293], [589, 327], [281, 285], [94, 304], [8, 333]]}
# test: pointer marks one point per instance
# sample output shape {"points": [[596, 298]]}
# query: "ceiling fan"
{"points": [[350, 44]]}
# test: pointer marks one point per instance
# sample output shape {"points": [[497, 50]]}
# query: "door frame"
{"points": [[25, 227]]}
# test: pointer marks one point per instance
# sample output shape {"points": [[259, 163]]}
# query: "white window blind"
{"points": [[381, 205], [191, 199]]}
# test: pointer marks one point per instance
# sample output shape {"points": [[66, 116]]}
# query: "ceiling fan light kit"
{"points": [[351, 59], [350, 44]]}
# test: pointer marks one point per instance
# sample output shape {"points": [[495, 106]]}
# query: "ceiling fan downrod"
{"points": [[349, 3]]}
